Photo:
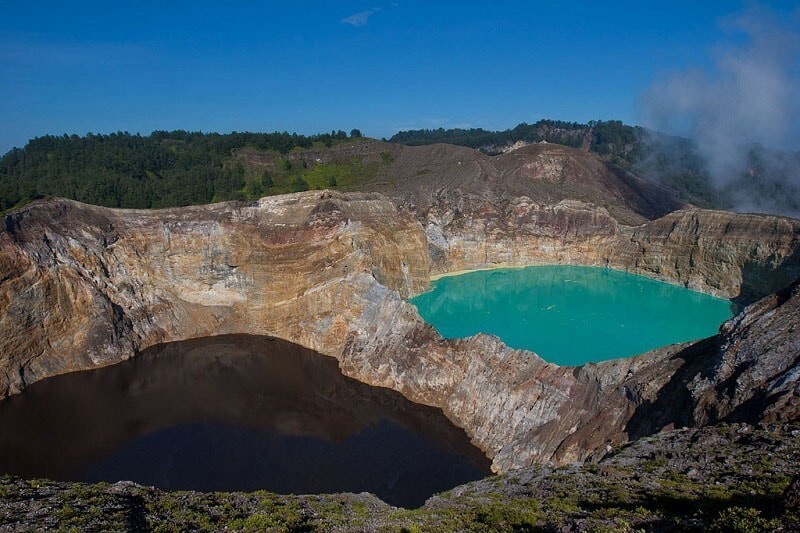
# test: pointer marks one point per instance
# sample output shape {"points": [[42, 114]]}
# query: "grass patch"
{"points": [[743, 520]]}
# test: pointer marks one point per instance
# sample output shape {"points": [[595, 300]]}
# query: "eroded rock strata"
{"points": [[86, 286], [82, 287], [725, 254]]}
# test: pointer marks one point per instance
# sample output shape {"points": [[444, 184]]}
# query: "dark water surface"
{"points": [[571, 315], [234, 412]]}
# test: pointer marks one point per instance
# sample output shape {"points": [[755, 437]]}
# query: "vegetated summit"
{"points": [[169, 169]]}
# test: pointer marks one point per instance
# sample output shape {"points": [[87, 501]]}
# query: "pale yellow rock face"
{"points": [[83, 286]]}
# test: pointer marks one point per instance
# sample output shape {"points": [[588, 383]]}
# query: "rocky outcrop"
{"points": [[547, 203], [82, 287], [739, 256], [522, 410], [419, 178], [747, 373]]}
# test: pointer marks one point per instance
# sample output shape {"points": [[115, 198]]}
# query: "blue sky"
{"points": [[308, 66]]}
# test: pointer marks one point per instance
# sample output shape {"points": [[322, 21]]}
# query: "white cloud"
{"points": [[361, 18]]}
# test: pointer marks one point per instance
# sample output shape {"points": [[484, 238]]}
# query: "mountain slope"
{"points": [[170, 169], [422, 177]]}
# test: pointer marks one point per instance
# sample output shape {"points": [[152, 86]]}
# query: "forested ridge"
{"points": [[177, 168], [604, 137], [163, 169]]}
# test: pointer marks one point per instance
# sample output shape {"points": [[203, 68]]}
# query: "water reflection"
{"points": [[234, 413]]}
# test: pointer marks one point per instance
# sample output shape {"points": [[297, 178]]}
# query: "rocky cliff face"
{"points": [[522, 410], [421, 177], [545, 204], [82, 287], [726, 254]]}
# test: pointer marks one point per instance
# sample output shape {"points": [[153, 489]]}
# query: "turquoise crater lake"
{"points": [[571, 315]]}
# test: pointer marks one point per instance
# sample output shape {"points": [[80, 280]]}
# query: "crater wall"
{"points": [[82, 287], [739, 256]]}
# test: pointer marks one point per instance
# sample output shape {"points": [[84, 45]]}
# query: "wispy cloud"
{"points": [[361, 18]]}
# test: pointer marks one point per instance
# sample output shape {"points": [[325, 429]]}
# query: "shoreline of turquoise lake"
{"points": [[571, 315]]}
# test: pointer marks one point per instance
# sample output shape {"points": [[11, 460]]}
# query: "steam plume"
{"points": [[751, 97]]}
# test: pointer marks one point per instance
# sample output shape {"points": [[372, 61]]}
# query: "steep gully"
{"points": [[83, 286]]}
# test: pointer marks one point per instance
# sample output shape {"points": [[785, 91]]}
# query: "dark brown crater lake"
{"points": [[234, 413]]}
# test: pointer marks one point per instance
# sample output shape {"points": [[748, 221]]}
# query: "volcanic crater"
{"points": [[83, 287]]}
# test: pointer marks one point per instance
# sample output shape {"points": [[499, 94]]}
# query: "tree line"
{"points": [[163, 169], [177, 168]]}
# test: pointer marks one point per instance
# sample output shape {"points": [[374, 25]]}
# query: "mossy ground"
{"points": [[727, 478]]}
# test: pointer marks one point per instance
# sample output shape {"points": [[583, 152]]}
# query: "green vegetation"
{"points": [[719, 495], [164, 169], [554, 131], [743, 520], [272, 515], [344, 175], [610, 138], [177, 168]]}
